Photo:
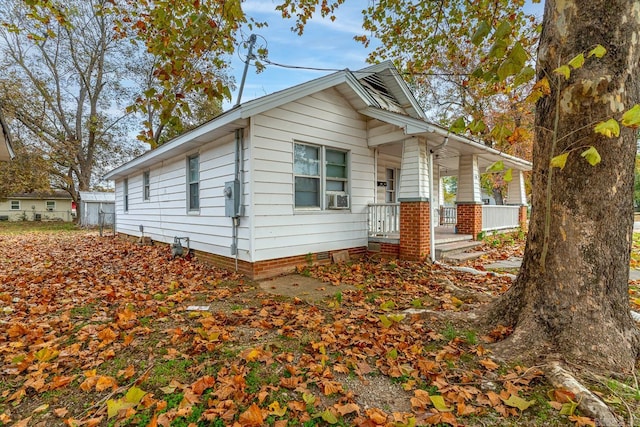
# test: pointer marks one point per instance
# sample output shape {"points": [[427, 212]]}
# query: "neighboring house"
{"points": [[97, 205], [38, 206], [333, 164], [6, 151]]}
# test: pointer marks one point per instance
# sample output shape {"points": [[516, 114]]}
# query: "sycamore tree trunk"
{"points": [[570, 300]]}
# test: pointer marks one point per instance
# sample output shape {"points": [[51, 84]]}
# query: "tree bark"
{"points": [[571, 299]]}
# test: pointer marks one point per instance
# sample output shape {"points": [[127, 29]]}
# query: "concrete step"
{"points": [[459, 258], [443, 250]]}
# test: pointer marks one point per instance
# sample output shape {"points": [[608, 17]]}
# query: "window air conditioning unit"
{"points": [[339, 201]]}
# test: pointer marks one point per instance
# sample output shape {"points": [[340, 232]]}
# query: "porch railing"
{"points": [[498, 217], [384, 219]]}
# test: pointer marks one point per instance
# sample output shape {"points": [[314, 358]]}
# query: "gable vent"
{"points": [[379, 91]]}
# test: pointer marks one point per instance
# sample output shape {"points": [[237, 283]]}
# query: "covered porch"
{"points": [[411, 158]]}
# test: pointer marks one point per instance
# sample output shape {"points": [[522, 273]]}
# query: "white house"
{"points": [[6, 151], [333, 164]]}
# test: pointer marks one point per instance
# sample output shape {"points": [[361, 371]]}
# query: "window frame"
{"points": [[11, 205], [146, 186], [324, 180], [125, 194], [191, 184], [391, 188], [48, 203]]}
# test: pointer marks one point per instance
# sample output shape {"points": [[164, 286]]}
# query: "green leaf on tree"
{"points": [[501, 132], [598, 51], [498, 49], [438, 403], [525, 75], [508, 175], [518, 402], [482, 32], [477, 126], [577, 61], [458, 126], [508, 68], [496, 167], [559, 161], [503, 30], [631, 117], [610, 128], [592, 156], [563, 71], [518, 55]]}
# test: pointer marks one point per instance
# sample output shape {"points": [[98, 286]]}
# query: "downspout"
{"points": [[432, 225]]}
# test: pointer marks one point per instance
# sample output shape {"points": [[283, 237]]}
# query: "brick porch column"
{"points": [[469, 219], [522, 218], [414, 230], [468, 197]]}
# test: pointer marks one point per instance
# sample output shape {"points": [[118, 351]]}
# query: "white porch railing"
{"points": [[498, 217], [384, 219]]}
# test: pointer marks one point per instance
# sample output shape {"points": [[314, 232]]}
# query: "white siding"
{"points": [[468, 180], [165, 215], [414, 179], [326, 119]]}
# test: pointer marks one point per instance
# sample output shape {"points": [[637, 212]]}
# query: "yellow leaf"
{"points": [[329, 417], [46, 354], [438, 403], [631, 117], [577, 61], [114, 406], [563, 71], [397, 317], [610, 128], [598, 51], [308, 398], [386, 322], [134, 395], [275, 409], [559, 161], [518, 402], [592, 156]]}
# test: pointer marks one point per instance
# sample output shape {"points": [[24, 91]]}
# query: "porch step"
{"points": [[454, 251]]}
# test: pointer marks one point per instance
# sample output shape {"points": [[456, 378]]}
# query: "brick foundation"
{"points": [[469, 219], [414, 230], [522, 218], [268, 268], [384, 250]]}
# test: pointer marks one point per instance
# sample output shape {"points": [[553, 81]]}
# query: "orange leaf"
{"points": [[348, 408], [377, 416], [202, 384], [59, 382], [22, 423], [251, 417], [61, 412], [420, 400], [489, 364], [331, 387], [107, 336], [128, 372], [105, 382]]}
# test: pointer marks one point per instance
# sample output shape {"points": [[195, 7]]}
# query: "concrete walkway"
{"points": [[514, 262]]}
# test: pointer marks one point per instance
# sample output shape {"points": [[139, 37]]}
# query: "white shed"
{"points": [[92, 204]]}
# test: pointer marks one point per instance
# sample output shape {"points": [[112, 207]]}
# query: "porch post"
{"points": [[414, 200], [469, 197], [516, 195]]}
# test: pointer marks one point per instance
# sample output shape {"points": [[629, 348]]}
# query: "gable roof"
{"points": [[6, 150]]}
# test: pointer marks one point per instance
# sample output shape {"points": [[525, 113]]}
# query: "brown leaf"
{"points": [[347, 408], [251, 417], [22, 423]]}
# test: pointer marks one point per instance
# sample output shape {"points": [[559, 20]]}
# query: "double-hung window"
{"points": [[15, 205], [125, 194], [319, 173], [193, 182], [146, 186], [51, 205]]}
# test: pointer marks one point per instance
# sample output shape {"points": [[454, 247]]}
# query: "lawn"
{"points": [[97, 331]]}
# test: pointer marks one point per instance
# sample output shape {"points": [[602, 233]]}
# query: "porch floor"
{"points": [[443, 235]]}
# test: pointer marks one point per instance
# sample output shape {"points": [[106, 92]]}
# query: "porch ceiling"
{"points": [[394, 128]]}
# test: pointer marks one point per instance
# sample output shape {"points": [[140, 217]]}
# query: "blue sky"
{"points": [[324, 44]]}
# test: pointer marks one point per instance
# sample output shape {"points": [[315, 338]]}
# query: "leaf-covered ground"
{"points": [[97, 331]]}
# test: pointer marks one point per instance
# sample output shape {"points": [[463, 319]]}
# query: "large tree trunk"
{"points": [[570, 299]]}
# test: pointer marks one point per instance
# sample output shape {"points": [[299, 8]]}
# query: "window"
{"points": [[125, 193], [193, 181], [51, 205], [15, 205], [318, 172], [390, 189], [146, 186]]}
